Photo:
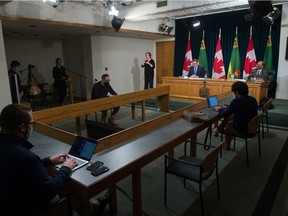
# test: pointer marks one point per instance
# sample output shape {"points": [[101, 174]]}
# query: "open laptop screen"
{"points": [[212, 101], [83, 148]]}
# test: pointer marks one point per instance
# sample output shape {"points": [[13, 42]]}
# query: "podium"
{"points": [[70, 81]]}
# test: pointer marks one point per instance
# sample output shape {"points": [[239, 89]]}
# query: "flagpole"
{"points": [[219, 32], [203, 33], [250, 30], [236, 30]]}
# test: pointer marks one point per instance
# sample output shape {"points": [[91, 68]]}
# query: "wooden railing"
{"points": [[129, 133], [76, 110]]}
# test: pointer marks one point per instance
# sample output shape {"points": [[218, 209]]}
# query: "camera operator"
{"points": [[15, 82], [60, 77]]}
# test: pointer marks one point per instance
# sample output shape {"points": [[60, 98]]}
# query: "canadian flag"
{"points": [[188, 58], [250, 60], [218, 66]]}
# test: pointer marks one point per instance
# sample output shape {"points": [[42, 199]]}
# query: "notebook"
{"points": [[82, 151], [212, 101]]}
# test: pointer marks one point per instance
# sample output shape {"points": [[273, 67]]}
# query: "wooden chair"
{"points": [[193, 169], [265, 115], [253, 130]]}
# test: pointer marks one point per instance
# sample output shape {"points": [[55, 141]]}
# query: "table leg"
{"points": [[133, 110], [137, 195], [143, 110], [112, 200]]}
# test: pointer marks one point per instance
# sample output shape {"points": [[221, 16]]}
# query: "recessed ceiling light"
{"points": [[33, 26]]}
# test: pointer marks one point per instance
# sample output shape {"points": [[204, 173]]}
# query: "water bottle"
{"points": [[232, 76], [205, 77]]}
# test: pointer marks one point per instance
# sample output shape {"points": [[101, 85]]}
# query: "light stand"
{"points": [[30, 78], [80, 78]]}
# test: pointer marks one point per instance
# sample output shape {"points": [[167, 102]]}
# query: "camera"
{"points": [[30, 66]]}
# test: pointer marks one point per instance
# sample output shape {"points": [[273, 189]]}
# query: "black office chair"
{"points": [[194, 169], [265, 115], [253, 130]]}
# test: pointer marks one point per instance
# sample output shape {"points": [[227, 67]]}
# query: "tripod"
{"points": [[31, 90]]}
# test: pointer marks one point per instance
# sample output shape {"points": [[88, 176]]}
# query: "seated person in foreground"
{"points": [[26, 188], [196, 70], [259, 73], [103, 89], [238, 114]]}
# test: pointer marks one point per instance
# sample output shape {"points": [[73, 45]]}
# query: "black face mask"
{"points": [[106, 83]]}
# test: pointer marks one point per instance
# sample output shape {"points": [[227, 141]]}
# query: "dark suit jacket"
{"points": [[200, 71], [263, 75]]}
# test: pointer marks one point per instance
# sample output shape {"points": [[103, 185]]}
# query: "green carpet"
{"points": [[278, 119], [174, 105]]}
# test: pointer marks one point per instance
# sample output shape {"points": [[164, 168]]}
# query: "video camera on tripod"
{"points": [[30, 67]]}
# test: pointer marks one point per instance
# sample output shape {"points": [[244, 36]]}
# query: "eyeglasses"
{"points": [[31, 123]]}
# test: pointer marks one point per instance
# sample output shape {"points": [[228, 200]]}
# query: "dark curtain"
{"points": [[227, 22]]}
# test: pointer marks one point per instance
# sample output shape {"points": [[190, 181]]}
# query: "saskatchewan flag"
{"points": [[234, 65], [268, 53], [203, 55]]}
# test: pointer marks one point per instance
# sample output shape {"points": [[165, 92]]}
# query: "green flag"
{"points": [[234, 65], [203, 55], [268, 53]]}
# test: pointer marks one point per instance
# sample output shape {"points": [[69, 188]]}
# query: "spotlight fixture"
{"points": [[264, 10], [53, 3], [195, 23], [164, 27], [117, 23]]}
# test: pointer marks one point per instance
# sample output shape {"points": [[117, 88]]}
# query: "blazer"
{"points": [[263, 75], [200, 71]]}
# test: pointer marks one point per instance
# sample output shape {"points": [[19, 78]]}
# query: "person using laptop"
{"points": [[259, 73], [103, 89], [238, 114], [26, 188], [196, 71]]}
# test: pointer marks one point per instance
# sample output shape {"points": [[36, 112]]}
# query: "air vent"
{"points": [[162, 3]]}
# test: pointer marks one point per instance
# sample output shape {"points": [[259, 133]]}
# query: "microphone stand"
{"points": [[80, 78]]}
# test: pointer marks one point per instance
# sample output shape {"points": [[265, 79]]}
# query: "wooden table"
{"points": [[188, 89], [127, 158]]}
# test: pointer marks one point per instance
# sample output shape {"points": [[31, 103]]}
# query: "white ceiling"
{"points": [[138, 11]]}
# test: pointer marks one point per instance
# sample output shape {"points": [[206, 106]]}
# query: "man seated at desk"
{"points": [[103, 89], [259, 73], [26, 188], [238, 114], [196, 71]]}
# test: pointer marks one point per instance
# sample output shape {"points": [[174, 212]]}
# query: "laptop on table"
{"points": [[82, 151], [212, 101]]}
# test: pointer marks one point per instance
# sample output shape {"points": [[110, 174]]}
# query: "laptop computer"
{"points": [[212, 101], [82, 151]]}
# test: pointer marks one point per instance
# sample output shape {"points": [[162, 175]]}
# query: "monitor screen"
{"points": [[212, 101], [83, 148]]}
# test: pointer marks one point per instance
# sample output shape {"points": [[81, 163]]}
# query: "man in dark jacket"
{"points": [[103, 89], [241, 110], [15, 82], [26, 188], [60, 77]]}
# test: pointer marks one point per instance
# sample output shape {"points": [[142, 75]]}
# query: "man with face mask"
{"points": [[26, 188], [103, 89], [238, 114], [15, 82]]}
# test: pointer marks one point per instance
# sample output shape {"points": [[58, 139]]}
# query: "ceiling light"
{"points": [[195, 23], [49, 1]]}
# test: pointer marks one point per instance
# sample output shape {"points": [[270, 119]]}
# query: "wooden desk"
{"points": [[188, 89], [130, 155]]}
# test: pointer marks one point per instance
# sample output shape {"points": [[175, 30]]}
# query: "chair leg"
{"points": [[165, 183], [201, 198], [234, 143], [247, 157], [267, 122], [259, 143], [262, 123], [217, 179]]}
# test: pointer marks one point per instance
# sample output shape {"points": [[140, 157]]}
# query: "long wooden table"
{"points": [[133, 149], [188, 89]]}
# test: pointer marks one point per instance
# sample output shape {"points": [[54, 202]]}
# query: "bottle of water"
{"points": [[232, 76], [205, 77]]}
